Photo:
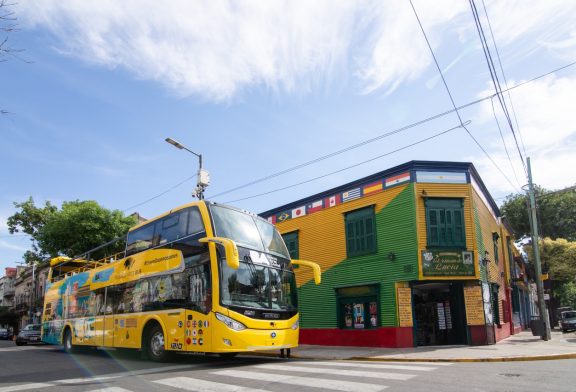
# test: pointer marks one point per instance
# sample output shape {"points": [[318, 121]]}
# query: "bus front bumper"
{"points": [[255, 340]]}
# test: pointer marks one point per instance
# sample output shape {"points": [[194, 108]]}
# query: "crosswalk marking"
{"points": [[110, 389], [376, 366], [339, 372], [194, 384], [23, 387], [337, 385]]}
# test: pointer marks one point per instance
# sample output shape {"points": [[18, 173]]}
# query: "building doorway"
{"points": [[439, 314]]}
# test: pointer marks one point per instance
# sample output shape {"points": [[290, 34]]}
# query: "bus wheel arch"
{"points": [[67, 345], [154, 341]]}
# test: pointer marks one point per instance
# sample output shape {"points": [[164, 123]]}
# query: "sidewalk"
{"points": [[520, 347]]}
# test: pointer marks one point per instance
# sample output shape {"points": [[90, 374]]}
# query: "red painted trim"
{"points": [[394, 337]]}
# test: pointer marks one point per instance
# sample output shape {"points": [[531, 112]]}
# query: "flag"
{"points": [[283, 216], [332, 201], [372, 188], [316, 206], [298, 212], [272, 219], [398, 179], [351, 194]]}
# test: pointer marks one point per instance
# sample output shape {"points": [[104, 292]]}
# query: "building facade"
{"points": [[416, 255], [7, 287], [29, 288]]}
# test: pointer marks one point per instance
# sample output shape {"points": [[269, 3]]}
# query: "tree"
{"points": [[7, 26], [73, 230], [556, 213]]}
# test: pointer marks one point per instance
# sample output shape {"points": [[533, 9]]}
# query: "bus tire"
{"points": [[154, 345], [67, 342]]}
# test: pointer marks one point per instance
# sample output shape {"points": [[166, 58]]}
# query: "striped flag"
{"points": [[351, 194], [298, 212], [316, 206], [400, 178], [272, 219], [372, 188], [332, 201]]}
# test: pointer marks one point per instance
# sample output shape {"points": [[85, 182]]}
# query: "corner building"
{"points": [[416, 255]]}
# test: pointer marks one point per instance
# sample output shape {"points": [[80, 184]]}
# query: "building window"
{"points": [[358, 307], [495, 303], [291, 241], [495, 238], [445, 223], [360, 232]]}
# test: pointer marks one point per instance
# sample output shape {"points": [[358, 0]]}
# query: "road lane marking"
{"points": [[23, 387], [376, 366], [110, 389], [194, 384], [337, 385], [339, 372]]}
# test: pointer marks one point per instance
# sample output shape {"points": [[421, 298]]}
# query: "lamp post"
{"points": [[203, 175]]}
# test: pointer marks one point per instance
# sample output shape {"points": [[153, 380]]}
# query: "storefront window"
{"points": [[358, 307]]}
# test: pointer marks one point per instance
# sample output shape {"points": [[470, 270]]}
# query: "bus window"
{"points": [[140, 239], [173, 227], [195, 224]]}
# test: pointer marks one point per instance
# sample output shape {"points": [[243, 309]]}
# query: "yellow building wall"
{"points": [[461, 191], [322, 236]]}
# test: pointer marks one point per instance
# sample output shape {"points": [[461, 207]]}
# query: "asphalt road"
{"points": [[47, 369]]}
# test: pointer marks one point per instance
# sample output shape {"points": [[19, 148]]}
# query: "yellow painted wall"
{"points": [[461, 191], [322, 236]]}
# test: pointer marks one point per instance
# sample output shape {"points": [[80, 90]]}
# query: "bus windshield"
{"points": [[258, 286], [247, 230]]}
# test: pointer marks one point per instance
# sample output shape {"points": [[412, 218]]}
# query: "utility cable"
{"points": [[351, 166], [423, 121], [452, 99]]}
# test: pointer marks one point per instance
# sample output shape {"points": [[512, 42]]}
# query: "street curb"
{"points": [[524, 358], [551, 357]]}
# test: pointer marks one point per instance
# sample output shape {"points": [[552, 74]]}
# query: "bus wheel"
{"points": [[155, 345], [67, 342]]}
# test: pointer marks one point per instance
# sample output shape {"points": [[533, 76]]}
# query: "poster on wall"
{"points": [[405, 306], [474, 305], [447, 263], [358, 315]]}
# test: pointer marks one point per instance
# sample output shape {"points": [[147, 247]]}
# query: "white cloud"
{"points": [[545, 110], [216, 49]]}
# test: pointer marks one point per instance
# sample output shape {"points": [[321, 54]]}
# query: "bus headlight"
{"points": [[230, 323], [296, 324]]}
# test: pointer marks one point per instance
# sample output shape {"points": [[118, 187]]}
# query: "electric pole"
{"points": [[536, 249]]}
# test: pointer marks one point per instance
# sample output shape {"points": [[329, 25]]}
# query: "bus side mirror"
{"points": [[315, 269], [230, 249]]}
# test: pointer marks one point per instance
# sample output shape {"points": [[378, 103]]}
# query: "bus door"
{"points": [[108, 327]]}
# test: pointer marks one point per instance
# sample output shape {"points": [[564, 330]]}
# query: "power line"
{"points": [[351, 166], [494, 75], [452, 99], [420, 122]]}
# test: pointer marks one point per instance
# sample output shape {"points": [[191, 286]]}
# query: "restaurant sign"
{"points": [[447, 263]]}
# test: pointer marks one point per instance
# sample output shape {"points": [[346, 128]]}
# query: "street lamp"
{"points": [[203, 175]]}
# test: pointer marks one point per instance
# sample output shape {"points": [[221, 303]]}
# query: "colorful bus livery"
{"points": [[202, 278]]}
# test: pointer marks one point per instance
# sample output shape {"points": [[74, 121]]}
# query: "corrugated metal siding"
{"points": [[486, 225], [322, 240], [463, 191]]}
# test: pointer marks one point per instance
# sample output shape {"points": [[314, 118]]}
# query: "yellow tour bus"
{"points": [[204, 277]]}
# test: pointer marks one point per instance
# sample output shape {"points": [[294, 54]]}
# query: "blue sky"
{"points": [[260, 87]]}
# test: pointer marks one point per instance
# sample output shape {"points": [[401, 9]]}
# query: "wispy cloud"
{"points": [[7, 245]]}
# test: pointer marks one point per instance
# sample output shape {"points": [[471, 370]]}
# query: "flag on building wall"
{"points": [[372, 188], [332, 201], [272, 219], [298, 212], [400, 178], [316, 206], [351, 194], [283, 216]]}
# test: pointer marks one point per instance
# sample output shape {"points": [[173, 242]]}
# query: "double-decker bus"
{"points": [[203, 277]]}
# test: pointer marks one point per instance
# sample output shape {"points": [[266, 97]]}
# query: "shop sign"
{"points": [[474, 305], [447, 263], [405, 306]]}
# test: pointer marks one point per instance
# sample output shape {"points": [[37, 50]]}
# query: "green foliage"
{"points": [[74, 229], [558, 258], [566, 293], [556, 213]]}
